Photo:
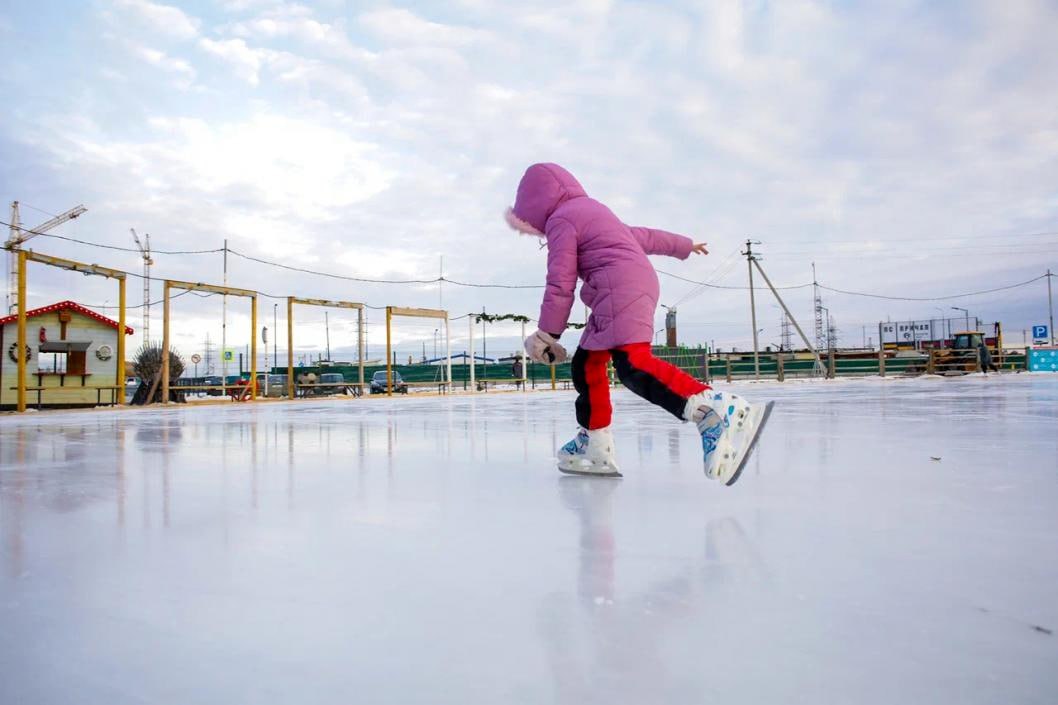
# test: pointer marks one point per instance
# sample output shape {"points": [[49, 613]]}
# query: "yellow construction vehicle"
{"points": [[969, 351]]}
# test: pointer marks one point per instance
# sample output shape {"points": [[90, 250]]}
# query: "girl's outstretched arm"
{"points": [[561, 276], [660, 242]]}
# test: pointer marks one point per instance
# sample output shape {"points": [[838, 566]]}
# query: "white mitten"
{"points": [[541, 347]]}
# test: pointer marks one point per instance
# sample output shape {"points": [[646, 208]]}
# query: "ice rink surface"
{"points": [[892, 541]]}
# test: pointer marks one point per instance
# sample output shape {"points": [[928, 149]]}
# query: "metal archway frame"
{"points": [[213, 289], [392, 311], [25, 256], [291, 300]]}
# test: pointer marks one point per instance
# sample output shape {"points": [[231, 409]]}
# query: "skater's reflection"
{"points": [[604, 646]]}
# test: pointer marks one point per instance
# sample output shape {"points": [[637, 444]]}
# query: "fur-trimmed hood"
{"points": [[543, 188]]}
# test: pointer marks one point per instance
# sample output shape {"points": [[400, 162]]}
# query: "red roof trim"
{"points": [[66, 306]]}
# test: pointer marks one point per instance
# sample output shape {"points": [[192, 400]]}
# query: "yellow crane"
{"points": [[18, 236], [145, 252]]}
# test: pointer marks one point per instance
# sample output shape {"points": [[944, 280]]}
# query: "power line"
{"points": [[720, 286], [366, 280], [455, 282], [935, 298]]}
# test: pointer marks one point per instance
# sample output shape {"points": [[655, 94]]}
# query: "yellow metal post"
{"points": [[165, 345], [360, 344], [21, 368], [253, 347], [119, 395], [389, 351], [290, 347]]}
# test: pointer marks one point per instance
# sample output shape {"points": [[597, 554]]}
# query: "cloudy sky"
{"points": [[909, 149]]}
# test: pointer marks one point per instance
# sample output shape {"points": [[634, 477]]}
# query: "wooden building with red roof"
{"points": [[70, 357]]}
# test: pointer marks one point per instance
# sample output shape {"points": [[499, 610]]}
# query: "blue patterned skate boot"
{"points": [[730, 427], [590, 453]]}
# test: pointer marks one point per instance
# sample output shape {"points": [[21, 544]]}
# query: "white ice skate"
{"points": [[729, 426], [590, 453]]}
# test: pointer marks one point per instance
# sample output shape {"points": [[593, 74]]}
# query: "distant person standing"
{"points": [[986, 358], [517, 371]]}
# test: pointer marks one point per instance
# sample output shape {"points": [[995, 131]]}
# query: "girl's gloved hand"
{"points": [[542, 347]]}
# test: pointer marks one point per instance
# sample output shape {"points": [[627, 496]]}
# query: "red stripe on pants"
{"points": [[598, 389], [676, 380]]}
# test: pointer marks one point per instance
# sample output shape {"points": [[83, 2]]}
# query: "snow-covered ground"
{"points": [[893, 541]]}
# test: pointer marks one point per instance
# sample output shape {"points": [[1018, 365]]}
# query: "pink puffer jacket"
{"points": [[585, 239]]}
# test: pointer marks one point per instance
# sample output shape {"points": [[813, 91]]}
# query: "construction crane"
{"points": [[145, 252], [20, 235]]}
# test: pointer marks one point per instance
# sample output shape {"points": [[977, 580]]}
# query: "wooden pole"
{"points": [[165, 345], [360, 345], [524, 366], [253, 347], [448, 355], [20, 385], [753, 313], [881, 352], [389, 351], [473, 369], [120, 371], [290, 347]]}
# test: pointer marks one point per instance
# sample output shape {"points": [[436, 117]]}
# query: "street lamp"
{"points": [[967, 312]]}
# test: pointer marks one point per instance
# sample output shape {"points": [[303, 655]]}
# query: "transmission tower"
{"points": [[207, 353], [821, 333], [832, 333], [145, 252], [786, 339]]}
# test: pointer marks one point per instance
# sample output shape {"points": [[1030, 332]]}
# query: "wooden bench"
{"points": [[99, 388]]}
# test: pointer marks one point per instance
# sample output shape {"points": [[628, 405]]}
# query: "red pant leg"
{"points": [[593, 388], [655, 380]]}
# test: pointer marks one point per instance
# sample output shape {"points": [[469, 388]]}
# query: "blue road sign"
{"points": [[1039, 332]]}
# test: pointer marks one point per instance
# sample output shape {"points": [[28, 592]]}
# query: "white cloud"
{"points": [[401, 26], [296, 22], [274, 161], [165, 19], [180, 68], [245, 61]]}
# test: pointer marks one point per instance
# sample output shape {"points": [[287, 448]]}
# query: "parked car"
{"points": [[277, 386], [214, 381], [378, 383], [331, 378]]}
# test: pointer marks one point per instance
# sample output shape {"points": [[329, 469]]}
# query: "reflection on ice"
{"points": [[425, 550]]}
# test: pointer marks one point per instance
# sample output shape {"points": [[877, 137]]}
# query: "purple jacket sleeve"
{"points": [[659, 242], [561, 276]]}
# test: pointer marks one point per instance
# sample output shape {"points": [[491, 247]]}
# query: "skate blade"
{"points": [[569, 470], [752, 444]]}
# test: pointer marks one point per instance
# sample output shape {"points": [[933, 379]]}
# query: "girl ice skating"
{"points": [[586, 240]]}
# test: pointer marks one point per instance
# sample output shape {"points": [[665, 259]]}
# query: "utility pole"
{"points": [[797, 327], [327, 330], [1050, 306], [752, 308]]}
